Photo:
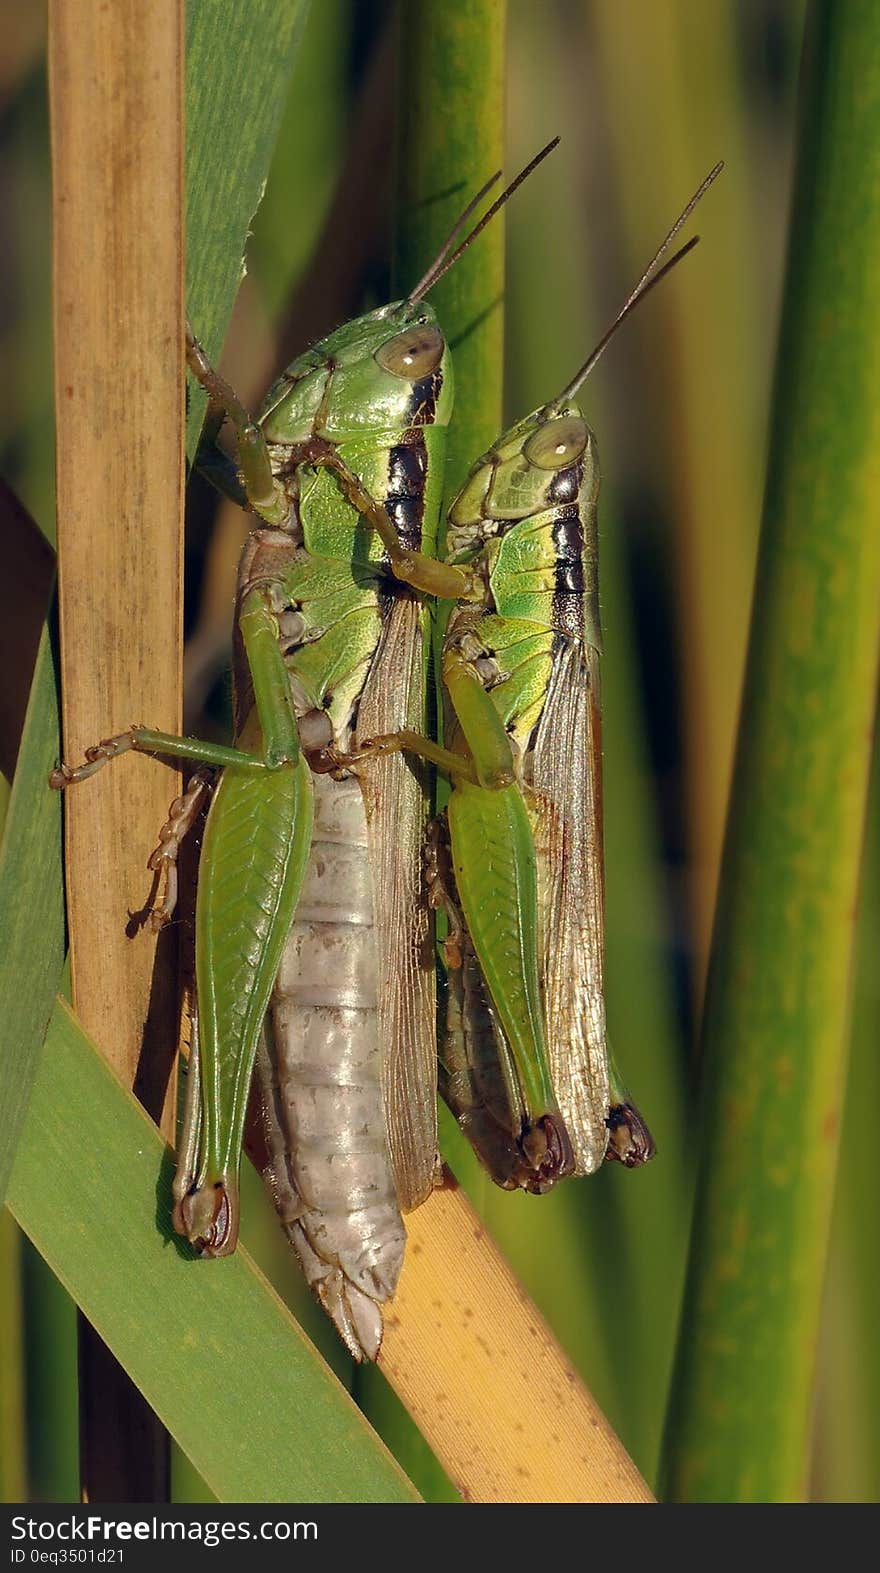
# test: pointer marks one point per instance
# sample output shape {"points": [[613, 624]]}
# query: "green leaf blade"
{"points": [[209, 1343], [31, 906], [238, 65]]}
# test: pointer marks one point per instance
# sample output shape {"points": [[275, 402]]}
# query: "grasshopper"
{"points": [[313, 945], [518, 865]]}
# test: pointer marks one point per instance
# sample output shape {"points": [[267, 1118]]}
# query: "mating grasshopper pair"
{"points": [[315, 966]]}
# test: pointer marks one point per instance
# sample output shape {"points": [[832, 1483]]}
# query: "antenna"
{"points": [[443, 262], [646, 283], [424, 283]]}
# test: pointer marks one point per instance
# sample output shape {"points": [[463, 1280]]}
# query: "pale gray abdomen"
{"points": [[319, 1071]]}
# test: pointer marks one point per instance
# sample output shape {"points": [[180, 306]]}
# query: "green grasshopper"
{"points": [[527, 1068], [310, 899]]}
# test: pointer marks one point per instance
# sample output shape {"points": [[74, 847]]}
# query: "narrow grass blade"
{"points": [[846, 1433], [450, 140], [307, 151], [238, 64], [51, 1382], [776, 1019], [31, 907]]}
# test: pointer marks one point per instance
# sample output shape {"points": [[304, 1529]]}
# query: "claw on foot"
{"points": [[629, 1142], [208, 1217]]}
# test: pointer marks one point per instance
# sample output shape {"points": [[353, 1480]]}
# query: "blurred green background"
{"points": [[646, 97]]}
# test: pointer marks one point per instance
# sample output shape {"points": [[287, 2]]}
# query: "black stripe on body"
{"points": [[568, 546], [405, 497], [423, 399], [408, 464]]}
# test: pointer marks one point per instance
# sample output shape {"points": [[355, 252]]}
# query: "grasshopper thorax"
{"points": [[385, 371]]}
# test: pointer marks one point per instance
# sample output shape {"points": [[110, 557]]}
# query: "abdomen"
{"points": [[320, 1075]]}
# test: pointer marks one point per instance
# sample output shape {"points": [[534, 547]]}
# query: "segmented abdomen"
{"points": [[320, 1077]]}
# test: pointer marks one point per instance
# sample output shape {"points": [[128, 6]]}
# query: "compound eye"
{"points": [[413, 354], [557, 443]]}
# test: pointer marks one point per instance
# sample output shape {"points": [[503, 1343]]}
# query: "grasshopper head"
{"points": [[385, 371], [547, 459]]}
